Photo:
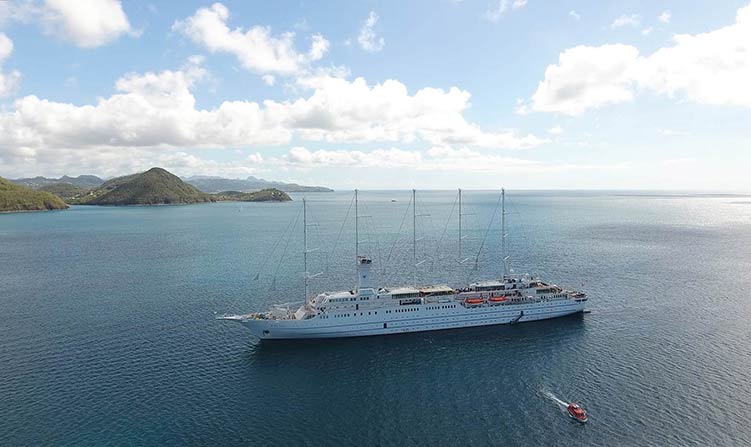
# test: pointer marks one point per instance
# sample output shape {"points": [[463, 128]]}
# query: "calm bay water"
{"points": [[108, 337]]}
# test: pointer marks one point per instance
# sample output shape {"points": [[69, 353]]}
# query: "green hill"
{"points": [[15, 198], [264, 195], [153, 187], [68, 192]]}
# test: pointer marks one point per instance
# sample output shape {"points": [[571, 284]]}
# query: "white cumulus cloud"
{"points": [[10, 80], [340, 110], [156, 111], [586, 77], [256, 48], [665, 17], [368, 39], [87, 23], [706, 68]]}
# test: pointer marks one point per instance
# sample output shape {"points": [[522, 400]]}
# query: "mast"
{"points": [[305, 246], [503, 232], [461, 237], [357, 240], [414, 237], [460, 224]]}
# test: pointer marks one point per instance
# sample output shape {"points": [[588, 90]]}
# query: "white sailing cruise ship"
{"points": [[371, 310]]}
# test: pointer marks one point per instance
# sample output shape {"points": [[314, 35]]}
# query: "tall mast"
{"points": [[305, 245], [503, 232], [414, 237], [357, 240], [460, 224]]}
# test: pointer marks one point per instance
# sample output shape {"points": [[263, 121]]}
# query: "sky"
{"points": [[440, 94]]}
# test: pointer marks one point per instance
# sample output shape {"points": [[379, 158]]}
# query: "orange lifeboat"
{"points": [[497, 299], [474, 301]]}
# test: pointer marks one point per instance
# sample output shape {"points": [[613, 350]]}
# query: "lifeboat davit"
{"points": [[497, 299], [577, 412], [474, 301]]}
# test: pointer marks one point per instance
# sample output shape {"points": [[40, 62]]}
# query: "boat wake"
{"points": [[549, 395]]}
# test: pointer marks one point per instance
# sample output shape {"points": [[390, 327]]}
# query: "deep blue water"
{"points": [[108, 337]]}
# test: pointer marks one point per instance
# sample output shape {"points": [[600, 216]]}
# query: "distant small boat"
{"points": [[393, 200], [577, 412]]}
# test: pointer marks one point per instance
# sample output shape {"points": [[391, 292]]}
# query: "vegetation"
{"points": [[264, 195], [82, 181], [153, 187], [66, 191], [14, 198]]}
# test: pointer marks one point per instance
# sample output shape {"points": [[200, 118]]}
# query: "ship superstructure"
{"points": [[370, 310]]}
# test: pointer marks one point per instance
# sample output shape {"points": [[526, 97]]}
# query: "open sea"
{"points": [[108, 333]]}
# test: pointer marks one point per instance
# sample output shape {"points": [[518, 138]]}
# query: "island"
{"points": [[157, 186], [264, 195], [16, 198], [212, 184]]}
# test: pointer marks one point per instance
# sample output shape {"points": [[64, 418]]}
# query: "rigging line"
{"points": [[522, 231], [490, 225], [376, 238], [398, 232], [522, 227], [445, 228], [317, 237], [284, 251], [370, 220], [339, 235], [266, 259]]}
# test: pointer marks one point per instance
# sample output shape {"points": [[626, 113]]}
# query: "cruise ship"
{"points": [[370, 310]]}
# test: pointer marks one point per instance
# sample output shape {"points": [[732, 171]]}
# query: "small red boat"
{"points": [[577, 412], [474, 301], [497, 299]]}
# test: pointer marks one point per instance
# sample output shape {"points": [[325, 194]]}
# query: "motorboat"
{"points": [[577, 412]]}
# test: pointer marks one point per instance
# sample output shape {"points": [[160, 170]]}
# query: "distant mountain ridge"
{"points": [[207, 184], [82, 181], [212, 184], [156, 186]]}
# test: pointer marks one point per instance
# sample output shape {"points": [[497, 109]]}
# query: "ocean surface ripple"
{"points": [[108, 336]]}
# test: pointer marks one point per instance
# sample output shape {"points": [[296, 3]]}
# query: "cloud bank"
{"points": [[707, 68]]}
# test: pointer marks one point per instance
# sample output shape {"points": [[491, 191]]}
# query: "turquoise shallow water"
{"points": [[107, 334]]}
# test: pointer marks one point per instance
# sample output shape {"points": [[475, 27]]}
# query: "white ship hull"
{"points": [[426, 317]]}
